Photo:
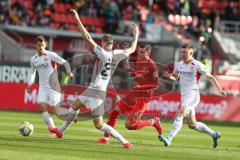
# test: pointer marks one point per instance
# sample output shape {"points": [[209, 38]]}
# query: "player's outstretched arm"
{"points": [[68, 69], [84, 32], [172, 76], [31, 77], [133, 46], [214, 81], [60, 60]]}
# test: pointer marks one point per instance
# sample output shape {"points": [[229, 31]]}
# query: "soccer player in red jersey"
{"points": [[133, 105]]}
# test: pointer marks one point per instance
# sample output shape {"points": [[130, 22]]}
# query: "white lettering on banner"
{"points": [[30, 97], [14, 74], [163, 106], [215, 109], [6, 73]]}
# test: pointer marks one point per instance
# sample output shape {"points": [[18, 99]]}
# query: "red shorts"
{"points": [[134, 101]]}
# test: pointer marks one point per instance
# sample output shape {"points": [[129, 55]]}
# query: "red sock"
{"points": [[112, 120], [139, 125]]}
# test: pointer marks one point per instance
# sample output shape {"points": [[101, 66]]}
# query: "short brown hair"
{"points": [[187, 45], [144, 45], [40, 39], [107, 37]]}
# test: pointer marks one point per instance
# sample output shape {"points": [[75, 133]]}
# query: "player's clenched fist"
{"points": [[135, 30], [74, 13]]}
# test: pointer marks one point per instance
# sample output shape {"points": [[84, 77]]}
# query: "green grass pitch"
{"points": [[78, 142]]}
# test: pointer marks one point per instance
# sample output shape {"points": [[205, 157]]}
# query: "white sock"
{"points": [[177, 125], [48, 119], [111, 131], [71, 116], [201, 127]]}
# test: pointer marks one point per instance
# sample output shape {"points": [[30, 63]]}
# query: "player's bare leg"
{"points": [[201, 127], [99, 124], [112, 120], [47, 117], [72, 115]]}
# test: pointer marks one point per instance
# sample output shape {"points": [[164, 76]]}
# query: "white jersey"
{"points": [[189, 75], [45, 65], [104, 68]]}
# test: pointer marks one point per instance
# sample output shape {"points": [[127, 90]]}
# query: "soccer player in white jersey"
{"points": [[93, 97], [189, 71], [44, 62]]}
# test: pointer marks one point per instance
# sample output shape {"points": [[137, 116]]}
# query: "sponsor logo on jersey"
{"points": [[186, 73], [42, 66]]}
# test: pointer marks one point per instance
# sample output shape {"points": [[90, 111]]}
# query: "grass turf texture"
{"points": [[78, 142]]}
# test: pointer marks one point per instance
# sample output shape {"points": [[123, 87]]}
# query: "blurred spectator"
{"points": [[43, 20], [112, 14], [40, 13], [150, 18], [91, 11]]}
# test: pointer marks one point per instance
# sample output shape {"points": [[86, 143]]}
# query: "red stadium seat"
{"points": [[57, 17], [54, 25], [102, 22], [73, 27], [63, 18], [99, 30], [62, 8], [96, 22], [28, 4], [89, 21], [59, 7], [71, 19]]}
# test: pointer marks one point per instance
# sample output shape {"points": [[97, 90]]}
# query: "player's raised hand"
{"points": [[224, 93], [74, 12], [135, 30], [70, 75]]}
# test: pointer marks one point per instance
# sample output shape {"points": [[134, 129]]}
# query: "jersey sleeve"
{"points": [[31, 77], [202, 69], [176, 70], [153, 67], [99, 52], [56, 58], [120, 54]]}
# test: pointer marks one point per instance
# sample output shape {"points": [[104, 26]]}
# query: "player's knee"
{"points": [[98, 125], [192, 125], [76, 104], [184, 111], [43, 107], [130, 125]]}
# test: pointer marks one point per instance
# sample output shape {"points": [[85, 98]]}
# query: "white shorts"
{"points": [[190, 99], [47, 95], [93, 99]]}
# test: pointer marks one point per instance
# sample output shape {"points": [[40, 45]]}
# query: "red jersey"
{"points": [[145, 75]]}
